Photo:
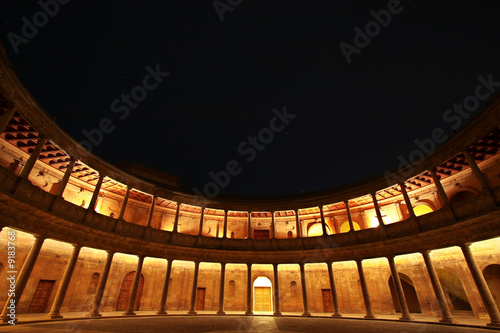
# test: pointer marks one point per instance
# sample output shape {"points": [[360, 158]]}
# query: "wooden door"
{"points": [[263, 299], [261, 234], [125, 290], [200, 299], [41, 296], [327, 300]]}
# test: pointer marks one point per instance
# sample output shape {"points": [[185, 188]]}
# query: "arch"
{"points": [[346, 228], [492, 276], [315, 229], [422, 209], [289, 234], [409, 292], [124, 296], [94, 281], [454, 290], [462, 195], [262, 294]]}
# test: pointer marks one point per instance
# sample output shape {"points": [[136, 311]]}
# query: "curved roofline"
{"points": [[26, 105]]}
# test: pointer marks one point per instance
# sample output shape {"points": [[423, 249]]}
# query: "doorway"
{"points": [[409, 292], [41, 297], [200, 299], [262, 291], [125, 290], [326, 294]]}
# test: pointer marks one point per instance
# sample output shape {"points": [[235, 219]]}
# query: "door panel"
{"points": [[41, 297], [125, 290], [200, 299], [263, 299], [326, 294]]}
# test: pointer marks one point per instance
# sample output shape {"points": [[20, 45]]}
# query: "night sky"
{"points": [[226, 76]]}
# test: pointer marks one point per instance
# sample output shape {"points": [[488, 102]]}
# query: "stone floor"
{"points": [[177, 321]]}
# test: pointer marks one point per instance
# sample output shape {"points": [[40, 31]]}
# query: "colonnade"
{"points": [[446, 316]]}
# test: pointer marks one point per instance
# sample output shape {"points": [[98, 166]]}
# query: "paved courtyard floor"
{"points": [[177, 321]]}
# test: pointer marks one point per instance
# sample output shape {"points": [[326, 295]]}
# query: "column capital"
{"points": [[425, 252], [77, 246]]}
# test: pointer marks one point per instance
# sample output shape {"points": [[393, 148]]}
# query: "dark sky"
{"points": [[353, 120]]}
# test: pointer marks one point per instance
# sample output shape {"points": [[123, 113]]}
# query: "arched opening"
{"points": [[262, 296], [461, 196], [492, 276], [409, 291], [454, 292], [232, 289], [125, 291], [293, 289], [315, 229], [346, 228], [92, 287], [289, 234], [420, 210]]}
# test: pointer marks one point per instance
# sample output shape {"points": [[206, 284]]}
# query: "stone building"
{"points": [[91, 236]]}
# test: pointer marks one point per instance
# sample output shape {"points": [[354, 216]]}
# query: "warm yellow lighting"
{"points": [[422, 210], [317, 230], [345, 227]]}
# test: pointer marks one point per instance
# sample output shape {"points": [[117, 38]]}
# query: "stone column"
{"points": [[164, 293], [221, 289], [65, 179], [124, 204], [323, 222], [224, 232], [441, 193], [349, 216], [377, 210], [399, 290], [135, 286], [249, 290], [6, 117], [335, 300], [33, 158], [95, 195], [23, 276], [94, 313], [176, 220], [407, 200], [482, 286], [438, 289], [273, 222], [297, 223], [249, 225], [55, 311], [476, 171], [202, 216], [364, 288], [194, 291], [277, 310], [151, 211], [304, 290]]}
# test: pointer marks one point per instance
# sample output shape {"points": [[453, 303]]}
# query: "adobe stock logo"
{"points": [[122, 106], [454, 116], [248, 149], [40, 19], [372, 29]]}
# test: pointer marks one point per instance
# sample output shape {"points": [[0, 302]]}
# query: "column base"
{"points": [[277, 313], [221, 313], [494, 324], [447, 320], [192, 312], [406, 318], [94, 315], [369, 316], [162, 313], [53, 316], [248, 313], [336, 315], [306, 314], [131, 313]]}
